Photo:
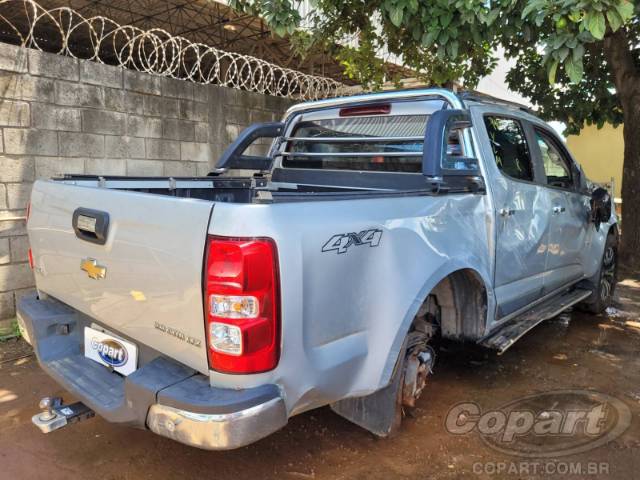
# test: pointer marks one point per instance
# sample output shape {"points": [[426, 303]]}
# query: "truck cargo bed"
{"points": [[282, 188]]}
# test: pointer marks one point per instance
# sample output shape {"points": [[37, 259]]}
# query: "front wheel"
{"points": [[604, 282]]}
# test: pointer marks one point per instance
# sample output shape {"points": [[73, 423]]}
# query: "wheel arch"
{"points": [[456, 283], [462, 297]]}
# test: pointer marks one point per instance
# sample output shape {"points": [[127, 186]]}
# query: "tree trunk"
{"points": [[630, 248], [627, 81]]}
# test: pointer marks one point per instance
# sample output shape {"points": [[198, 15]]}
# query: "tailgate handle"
{"points": [[91, 225]]}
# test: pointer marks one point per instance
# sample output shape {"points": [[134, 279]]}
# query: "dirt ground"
{"points": [[574, 351]]}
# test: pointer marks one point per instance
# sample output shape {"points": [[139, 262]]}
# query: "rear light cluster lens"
{"points": [[242, 305], [231, 306], [225, 338]]}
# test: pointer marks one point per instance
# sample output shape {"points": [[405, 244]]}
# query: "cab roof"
{"points": [[456, 99]]}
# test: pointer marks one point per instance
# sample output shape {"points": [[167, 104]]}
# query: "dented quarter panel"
{"points": [[345, 314]]}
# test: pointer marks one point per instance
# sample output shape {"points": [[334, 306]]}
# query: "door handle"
{"points": [[506, 212], [558, 209]]}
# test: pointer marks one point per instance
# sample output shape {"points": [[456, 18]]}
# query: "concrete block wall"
{"points": [[62, 115]]}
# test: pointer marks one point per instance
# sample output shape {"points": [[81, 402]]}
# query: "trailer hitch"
{"points": [[56, 415]]}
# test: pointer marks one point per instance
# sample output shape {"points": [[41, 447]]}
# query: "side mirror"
{"points": [[600, 206]]}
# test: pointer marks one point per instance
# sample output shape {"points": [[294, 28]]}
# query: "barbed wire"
{"points": [[64, 31]]}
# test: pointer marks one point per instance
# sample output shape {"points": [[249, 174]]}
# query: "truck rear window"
{"points": [[388, 143]]}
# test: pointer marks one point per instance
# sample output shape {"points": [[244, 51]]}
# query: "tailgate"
{"points": [[151, 290]]}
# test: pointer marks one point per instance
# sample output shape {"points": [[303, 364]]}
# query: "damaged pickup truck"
{"points": [[210, 310]]}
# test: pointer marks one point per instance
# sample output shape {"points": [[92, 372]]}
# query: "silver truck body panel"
{"points": [[565, 260], [153, 257], [345, 314]]}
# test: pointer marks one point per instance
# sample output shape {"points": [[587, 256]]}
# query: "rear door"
{"points": [[521, 210], [144, 282], [569, 212]]}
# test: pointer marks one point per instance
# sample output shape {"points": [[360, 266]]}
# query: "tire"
{"points": [[603, 283]]}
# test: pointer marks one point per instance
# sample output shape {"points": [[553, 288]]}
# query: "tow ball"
{"points": [[55, 414]]}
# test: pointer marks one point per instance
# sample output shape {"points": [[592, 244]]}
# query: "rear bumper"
{"points": [[168, 398], [217, 431]]}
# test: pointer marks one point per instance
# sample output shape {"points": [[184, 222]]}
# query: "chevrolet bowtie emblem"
{"points": [[92, 268]]}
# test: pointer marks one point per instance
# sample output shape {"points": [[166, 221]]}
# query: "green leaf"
{"points": [[531, 6], [596, 25], [552, 69], [558, 41], [416, 32], [445, 20], [574, 69], [584, 37], [429, 37], [492, 16], [396, 16], [614, 19], [625, 10], [477, 38], [578, 52], [563, 53], [575, 16], [453, 49]]}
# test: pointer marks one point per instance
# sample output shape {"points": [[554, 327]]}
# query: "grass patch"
{"points": [[13, 333]]}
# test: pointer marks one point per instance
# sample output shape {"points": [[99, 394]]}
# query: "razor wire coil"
{"points": [[64, 31]]}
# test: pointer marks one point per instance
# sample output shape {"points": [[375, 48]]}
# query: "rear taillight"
{"points": [[242, 303]]}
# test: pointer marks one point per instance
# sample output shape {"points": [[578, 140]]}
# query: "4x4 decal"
{"points": [[342, 241]]}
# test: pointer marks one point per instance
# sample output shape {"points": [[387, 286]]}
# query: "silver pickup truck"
{"points": [[210, 310]]}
